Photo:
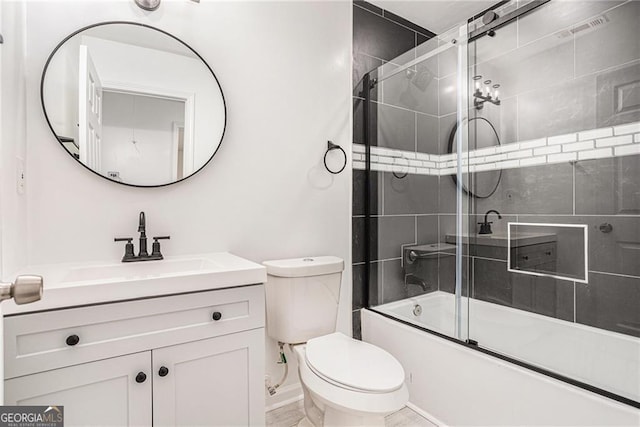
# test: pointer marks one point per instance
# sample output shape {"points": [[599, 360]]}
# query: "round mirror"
{"points": [[133, 104], [482, 134]]}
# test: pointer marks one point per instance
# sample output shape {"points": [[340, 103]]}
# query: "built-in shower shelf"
{"points": [[607, 142]]}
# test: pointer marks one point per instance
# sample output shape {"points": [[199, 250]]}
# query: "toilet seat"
{"points": [[346, 398], [353, 364]]}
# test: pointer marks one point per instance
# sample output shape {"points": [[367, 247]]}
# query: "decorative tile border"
{"points": [[615, 141]]}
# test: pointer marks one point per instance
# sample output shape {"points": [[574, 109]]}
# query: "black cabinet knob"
{"points": [[73, 340], [163, 371], [141, 377], [217, 315]]}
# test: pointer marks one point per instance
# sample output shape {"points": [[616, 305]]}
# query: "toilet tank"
{"points": [[302, 297]]}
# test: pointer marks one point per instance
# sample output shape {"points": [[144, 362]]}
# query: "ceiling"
{"points": [[437, 16]]}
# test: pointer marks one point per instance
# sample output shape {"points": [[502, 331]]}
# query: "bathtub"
{"points": [[455, 385]]}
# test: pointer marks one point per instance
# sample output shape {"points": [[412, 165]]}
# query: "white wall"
{"points": [[285, 69], [13, 206], [137, 137]]}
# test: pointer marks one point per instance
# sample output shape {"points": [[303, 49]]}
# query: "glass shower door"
{"points": [[554, 228]]}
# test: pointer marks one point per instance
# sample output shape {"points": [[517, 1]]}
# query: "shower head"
{"points": [[422, 78]]}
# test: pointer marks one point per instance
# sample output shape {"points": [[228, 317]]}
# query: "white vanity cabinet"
{"points": [[188, 359]]}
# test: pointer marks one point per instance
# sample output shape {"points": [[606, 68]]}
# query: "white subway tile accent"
{"points": [[509, 164], [359, 148], [533, 161], [448, 157], [429, 164], [496, 158], [415, 162], [375, 159], [561, 139], [359, 165], [627, 128], [636, 137], [476, 160], [627, 150], [614, 140], [483, 152], [448, 171], [485, 167], [409, 154], [520, 154], [508, 147], [599, 153], [564, 157], [577, 146], [423, 156], [595, 133], [534, 143], [387, 160], [547, 150]]}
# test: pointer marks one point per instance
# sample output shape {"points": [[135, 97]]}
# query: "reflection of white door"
{"points": [[90, 112]]}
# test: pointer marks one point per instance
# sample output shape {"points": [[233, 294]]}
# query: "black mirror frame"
{"points": [[44, 110]]}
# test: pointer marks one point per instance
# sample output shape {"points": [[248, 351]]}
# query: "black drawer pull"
{"points": [[548, 253], [163, 371], [526, 257], [141, 377], [73, 340], [216, 315]]}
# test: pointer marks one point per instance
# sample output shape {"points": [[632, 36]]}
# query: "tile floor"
{"points": [[289, 415]]}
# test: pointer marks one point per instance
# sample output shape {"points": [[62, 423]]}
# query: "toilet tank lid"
{"points": [[304, 267]]}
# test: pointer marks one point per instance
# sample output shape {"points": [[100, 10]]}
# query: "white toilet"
{"points": [[346, 382]]}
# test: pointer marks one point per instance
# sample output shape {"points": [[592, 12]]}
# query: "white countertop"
{"points": [[74, 284]]}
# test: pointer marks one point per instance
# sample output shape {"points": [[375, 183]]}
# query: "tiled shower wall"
{"points": [[378, 37], [553, 82]]}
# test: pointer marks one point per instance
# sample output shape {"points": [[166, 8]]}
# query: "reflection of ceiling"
{"points": [[435, 15], [139, 36]]}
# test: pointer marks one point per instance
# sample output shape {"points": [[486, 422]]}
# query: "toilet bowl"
{"points": [[347, 382]]}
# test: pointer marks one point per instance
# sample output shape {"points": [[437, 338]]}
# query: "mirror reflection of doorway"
{"points": [[143, 137]]}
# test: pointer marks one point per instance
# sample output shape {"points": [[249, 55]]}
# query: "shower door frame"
{"points": [[464, 38]]}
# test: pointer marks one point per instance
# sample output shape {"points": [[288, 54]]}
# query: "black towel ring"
{"points": [[400, 175], [332, 146]]}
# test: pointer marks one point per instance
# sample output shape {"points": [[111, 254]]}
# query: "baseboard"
{"points": [[425, 414], [284, 396]]}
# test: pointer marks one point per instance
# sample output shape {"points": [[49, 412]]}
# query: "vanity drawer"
{"points": [[42, 341]]}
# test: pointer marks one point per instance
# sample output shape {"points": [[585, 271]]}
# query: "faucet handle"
{"points": [[155, 252], [128, 248]]}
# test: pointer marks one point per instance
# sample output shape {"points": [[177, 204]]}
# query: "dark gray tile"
{"points": [[447, 273], [359, 182], [615, 251], [447, 61], [610, 302], [491, 282], [610, 44], [370, 7], [543, 295], [508, 129], [447, 95], [363, 64], [356, 324], [447, 193], [375, 284], [359, 122], [608, 186], [446, 125], [358, 293], [396, 128], [359, 239], [379, 37], [414, 194], [415, 90], [427, 134], [557, 109], [427, 231], [533, 190], [393, 287], [613, 105], [393, 232]]}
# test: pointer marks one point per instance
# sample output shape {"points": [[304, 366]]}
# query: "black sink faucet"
{"points": [[142, 229], [143, 254], [485, 227]]}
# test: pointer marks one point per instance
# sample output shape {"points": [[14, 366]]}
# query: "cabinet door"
{"points": [[212, 382], [97, 393]]}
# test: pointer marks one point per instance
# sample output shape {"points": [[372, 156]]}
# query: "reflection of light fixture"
{"points": [[480, 98], [149, 5]]}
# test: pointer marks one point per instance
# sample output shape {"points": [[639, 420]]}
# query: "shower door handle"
{"points": [[24, 290]]}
